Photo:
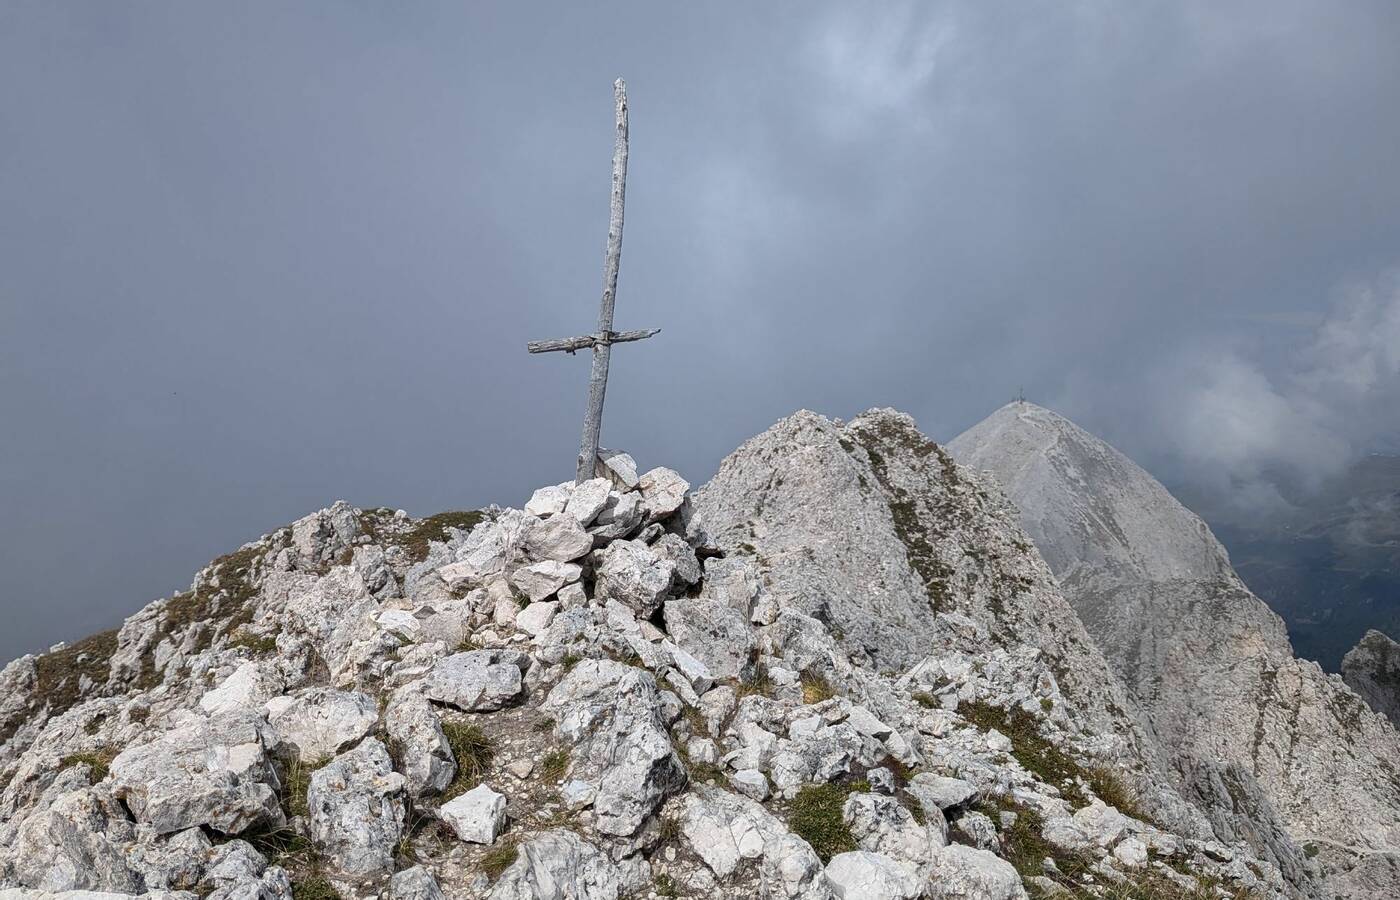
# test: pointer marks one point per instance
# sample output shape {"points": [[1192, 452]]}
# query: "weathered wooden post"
{"points": [[605, 337]]}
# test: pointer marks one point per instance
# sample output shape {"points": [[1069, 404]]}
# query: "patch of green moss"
{"points": [[416, 540], [257, 644], [665, 886], [59, 676], [1037, 755], [474, 751], [816, 817], [314, 887]]}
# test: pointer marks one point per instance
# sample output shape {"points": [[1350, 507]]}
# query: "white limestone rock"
{"points": [[612, 715], [751, 783], [558, 538], [549, 501], [477, 816], [477, 680], [940, 792], [663, 492], [539, 580], [881, 825], [963, 873], [559, 865], [212, 772], [424, 756], [75, 844], [534, 619], [714, 633], [1372, 669], [416, 883], [618, 466], [619, 518], [863, 875], [588, 499], [632, 573], [247, 689], [728, 832], [320, 722], [357, 810], [402, 623]]}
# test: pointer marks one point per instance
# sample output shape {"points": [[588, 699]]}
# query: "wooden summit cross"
{"points": [[602, 340]]}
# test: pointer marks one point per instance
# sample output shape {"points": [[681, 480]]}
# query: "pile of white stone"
{"points": [[692, 706]]}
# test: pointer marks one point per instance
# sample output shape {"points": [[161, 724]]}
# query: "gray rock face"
{"points": [[747, 849], [612, 715], [1207, 660], [1372, 669], [965, 873], [634, 574], [416, 883], [424, 755], [357, 810], [865, 529], [478, 680], [713, 633], [76, 845], [863, 875], [559, 865], [320, 722], [212, 772]]}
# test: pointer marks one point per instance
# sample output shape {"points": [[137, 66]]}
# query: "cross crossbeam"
{"points": [[601, 341], [570, 345]]}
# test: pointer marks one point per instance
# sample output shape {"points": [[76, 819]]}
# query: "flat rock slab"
{"points": [[478, 680]]}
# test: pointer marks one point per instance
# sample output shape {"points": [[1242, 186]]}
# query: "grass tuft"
{"points": [[97, 762], [474, 751], [499, 858], [815, 688], [554, 765], [297, 782]]}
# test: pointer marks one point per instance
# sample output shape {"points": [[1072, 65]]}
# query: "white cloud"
{"points": [[1251, 423]]}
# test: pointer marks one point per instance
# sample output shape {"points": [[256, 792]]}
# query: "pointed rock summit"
{"points": [[1276, 752], [1372, 669]]}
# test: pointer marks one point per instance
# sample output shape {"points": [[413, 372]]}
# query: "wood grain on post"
{"points": [[598, 380], [569, 345]]}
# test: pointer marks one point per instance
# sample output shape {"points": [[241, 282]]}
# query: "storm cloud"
{"points": [[255, 257]]}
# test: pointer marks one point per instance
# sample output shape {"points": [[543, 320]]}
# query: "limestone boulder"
{"points": [[613, 717], [357, 810], [212, 772], [476, 816], [633, 574], [559, 865], [320, 722], [477, 680]]}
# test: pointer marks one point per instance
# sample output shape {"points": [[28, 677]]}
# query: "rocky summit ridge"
{"points": [[839, 670], [1273, 750]]}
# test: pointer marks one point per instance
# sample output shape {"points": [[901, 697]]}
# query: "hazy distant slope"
{"points": [[1208, 660]]}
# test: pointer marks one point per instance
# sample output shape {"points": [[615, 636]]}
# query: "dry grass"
{"points": [[474, 751]]}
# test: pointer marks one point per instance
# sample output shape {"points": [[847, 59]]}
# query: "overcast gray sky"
{"points": [[255, 257]]}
